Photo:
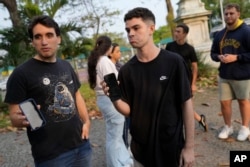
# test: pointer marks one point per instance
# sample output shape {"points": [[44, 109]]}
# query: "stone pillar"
{"points": [[194, 14]]}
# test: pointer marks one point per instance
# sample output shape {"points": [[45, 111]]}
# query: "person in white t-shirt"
{"points": [[115, 56], [99, 65]]}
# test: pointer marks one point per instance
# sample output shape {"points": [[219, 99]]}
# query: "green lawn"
{"points": [[89, 97]]}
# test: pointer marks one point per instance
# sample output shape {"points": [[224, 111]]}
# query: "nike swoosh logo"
{"points": [[163, 78]]}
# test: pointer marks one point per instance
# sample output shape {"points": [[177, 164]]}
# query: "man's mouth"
{"points": [[45, 49]]}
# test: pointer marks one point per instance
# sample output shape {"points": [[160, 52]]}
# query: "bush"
{"points": [[89, 97], [3, 106], [207, 75], [4, 115]]}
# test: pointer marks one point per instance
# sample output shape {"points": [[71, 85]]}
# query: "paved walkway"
{"points": [[209, 150]]}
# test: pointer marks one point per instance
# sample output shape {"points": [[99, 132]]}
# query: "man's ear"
{"points": [[152, 29], [59, 40]]}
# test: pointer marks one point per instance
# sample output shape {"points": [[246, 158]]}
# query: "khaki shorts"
{"points": [[233, 89]]}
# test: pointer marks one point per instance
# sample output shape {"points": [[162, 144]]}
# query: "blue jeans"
{"points": [[78, 157], [117, 154]]}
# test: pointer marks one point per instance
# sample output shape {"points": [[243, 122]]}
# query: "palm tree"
{"points": [[11, 6], [170, 16], [15, 40]]}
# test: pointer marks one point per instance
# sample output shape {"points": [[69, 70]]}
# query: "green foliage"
{"points": [[207, 76], [3, 106], [214, 6], [118, 38], [4, 120], [52, 6], [28, 10], [161, 33], [244, 6], [15, 41], [89, 97], [4, 115], [71, 48]]}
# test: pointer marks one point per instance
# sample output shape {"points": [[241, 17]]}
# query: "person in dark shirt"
{"points": [[53, 84], [155, 93], [180, 46], [231, 47]]}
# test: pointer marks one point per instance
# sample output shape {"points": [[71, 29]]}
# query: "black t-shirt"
{"points": [[155, 92], [53, 86], [186, 51]]}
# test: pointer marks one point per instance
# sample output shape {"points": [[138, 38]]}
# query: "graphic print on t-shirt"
{"points": [[61, 105]]}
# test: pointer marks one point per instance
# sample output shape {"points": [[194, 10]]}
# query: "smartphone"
{"points": [[32, 113], [114, 89]]}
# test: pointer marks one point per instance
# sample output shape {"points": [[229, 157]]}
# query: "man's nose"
{"points": [[44, 40]]}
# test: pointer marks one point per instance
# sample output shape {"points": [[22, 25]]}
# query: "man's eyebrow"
{"points": [[134, 26], [47, 33], [38, 34]]}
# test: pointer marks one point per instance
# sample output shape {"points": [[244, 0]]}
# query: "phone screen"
{"points": [[32, 113], [114, 89]]}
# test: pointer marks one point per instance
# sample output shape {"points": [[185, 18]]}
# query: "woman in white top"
{"points": [[99, 65], [115, 56]]}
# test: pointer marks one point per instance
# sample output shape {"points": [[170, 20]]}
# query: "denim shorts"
{"points": [[233, 89]]}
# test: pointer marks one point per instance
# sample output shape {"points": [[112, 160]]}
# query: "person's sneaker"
{"points": [[243, 133], [225, 132], [203, 123]]}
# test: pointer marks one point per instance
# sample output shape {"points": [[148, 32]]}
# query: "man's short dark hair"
{"points": [[184, 27], [140, 12], [44, 20], [232, 5]]}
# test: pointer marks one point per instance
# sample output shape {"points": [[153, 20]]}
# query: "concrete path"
{"points": [[209, 150]]}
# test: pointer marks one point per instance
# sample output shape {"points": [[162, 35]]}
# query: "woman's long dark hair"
{"points": [[102, 45]]}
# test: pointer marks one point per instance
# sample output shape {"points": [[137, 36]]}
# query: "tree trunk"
{"points": [[11, 5], [170, 16]]}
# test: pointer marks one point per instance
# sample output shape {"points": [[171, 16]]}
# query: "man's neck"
{"points": [[231, 27], [147, 54], [235, 25], [180, 42], [45, 59]]}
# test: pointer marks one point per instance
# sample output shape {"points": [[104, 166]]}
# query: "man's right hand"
{"points": [[18, 119]]}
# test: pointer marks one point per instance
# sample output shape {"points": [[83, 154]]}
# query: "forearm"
{"points": [[82, 109], [122, 107], [194, 73], [215, 51], [188, 118], [215, 57], [244, 57]]}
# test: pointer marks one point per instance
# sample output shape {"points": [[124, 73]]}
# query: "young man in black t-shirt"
{"points": [[187, 51], [53, 84], [155, 93]]}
